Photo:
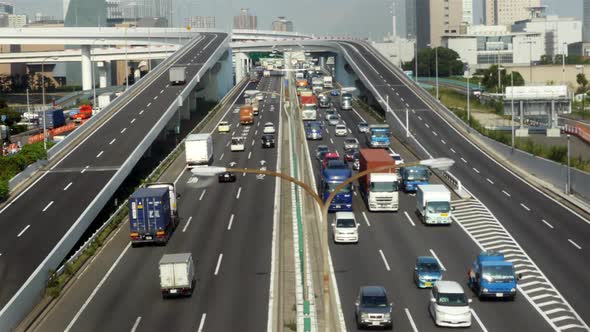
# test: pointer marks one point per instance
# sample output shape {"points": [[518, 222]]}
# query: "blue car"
{"points": [[335, 93], [427, 271]]}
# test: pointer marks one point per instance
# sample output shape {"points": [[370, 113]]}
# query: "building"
{"points": [[397, 50], [559, 32], [410, 19], [6, 8], [468, 12], [245, 20], [282, 24], [3, 20], [200, 22], [583, 48], [84, 13], [586, 29], [17, 21], [506, 12], [483, 45], [437, 18]]}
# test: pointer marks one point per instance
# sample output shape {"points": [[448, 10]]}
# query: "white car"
{"points": [[260, 97], [397, 158], [269, 128], [345, 228], [340, 130], [449, 306], [223, 127], [237, 144]]}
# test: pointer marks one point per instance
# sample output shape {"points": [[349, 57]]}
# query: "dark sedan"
{"points": [[226, 177], [268, 141]]}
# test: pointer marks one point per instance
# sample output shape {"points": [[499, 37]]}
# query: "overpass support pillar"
{"points": [[185, 109], [86, 67], [192, 98], [241, 66], [104, 73]]}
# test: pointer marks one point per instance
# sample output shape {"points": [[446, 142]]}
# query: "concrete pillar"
{"points": [[192, 101], [185, 110], [86, 68], [553, 130], [241, 59], [104, 73], [522, 131]]}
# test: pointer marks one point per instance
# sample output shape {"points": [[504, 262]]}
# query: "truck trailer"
{"points": [[150, 216], [177, 75], [177, 275]]}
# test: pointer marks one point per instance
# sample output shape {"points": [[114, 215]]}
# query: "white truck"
{"points": [[177, 275], [328, 84], [177, 75], [380, 189], [105, 99], [433, 202], [198, 149]]}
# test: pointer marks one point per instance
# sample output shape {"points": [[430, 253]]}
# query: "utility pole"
{"points": [[569, 176], [407, 123], [436, 62]]}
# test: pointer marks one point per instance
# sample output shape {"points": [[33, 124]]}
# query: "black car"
{"points": [[226, 177], [268, 141]]}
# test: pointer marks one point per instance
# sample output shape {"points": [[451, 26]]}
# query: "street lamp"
{"points": [[512, 107], [563, 62], [569, 176], [43, 98], [442, 164], [436, 68]]}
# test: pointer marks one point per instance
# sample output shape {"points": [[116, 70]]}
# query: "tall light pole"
{"points": [[436, 68], [512, 107], [499, 74], [43, 98], [92, 75], [569, 175], [563, 62], [437, 163]]}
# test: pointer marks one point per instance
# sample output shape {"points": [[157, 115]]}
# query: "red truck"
{"points": [[84, 113]]}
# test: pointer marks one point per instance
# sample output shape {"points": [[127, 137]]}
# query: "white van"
{"points": [[449, 306], [345, 228]]}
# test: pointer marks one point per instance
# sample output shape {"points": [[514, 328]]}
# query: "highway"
{"points": [[554, 238], [226, 226], [37, 219]]}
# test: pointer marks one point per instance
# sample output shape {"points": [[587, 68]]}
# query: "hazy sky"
{"points": [[369, 18]]}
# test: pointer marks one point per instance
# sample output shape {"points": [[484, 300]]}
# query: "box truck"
{"points": [[177, 75], [433, 202], [198, 149], [177, 275]]}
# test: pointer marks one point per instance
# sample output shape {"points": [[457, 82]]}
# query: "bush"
{"points": [[14, 164]]}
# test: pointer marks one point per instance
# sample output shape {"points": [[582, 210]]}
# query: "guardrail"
{"points": [[26, 297]]}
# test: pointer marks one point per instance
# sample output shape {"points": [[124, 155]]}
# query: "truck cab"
{"points": [[413, 176], [380, 189], [433, 203], [378, 136], [331, 178], [492, 276]]}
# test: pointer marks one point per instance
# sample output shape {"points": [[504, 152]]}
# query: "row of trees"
{"points": [[19, 83], [558, 59]]}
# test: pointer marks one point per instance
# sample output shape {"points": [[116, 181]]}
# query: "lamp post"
{"points": [[563, 62], [499, 74], [512, 107], [569, 175], [126, 63], [43, 98], [92, 73], [437, 163]]}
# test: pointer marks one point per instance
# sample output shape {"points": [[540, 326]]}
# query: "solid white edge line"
{"points": [[483, 328], [23, 231], [188, 222], [97, 288], [202, 323], [411, 320], [409, 218], [179, 176], [574, 244], [384, 260], [231, 221], [218, 264], [437, 259], [366, 219], [137, 321], [22, 193]]}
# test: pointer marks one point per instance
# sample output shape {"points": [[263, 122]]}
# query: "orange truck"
{"points": [[246, 114], [84, 113]]}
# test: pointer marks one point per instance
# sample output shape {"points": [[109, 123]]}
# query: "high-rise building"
{"points": [[200, 22], [506, 12], [6, 8], [282, 24], [586, 22], [410, 19], [437, 18], [3, 20], [134, 10], [85, 13], [245, 20], [17, 21], [468, 12]]}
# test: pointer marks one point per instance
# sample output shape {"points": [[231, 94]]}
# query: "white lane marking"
{"points": [[249, 154], [525, 207], [490, 181], [453, 151], [133, 120], [231, 222], [253, 141], [202, 194], [414, 328], [331, 140], [463, 159], [134, 328], [162, 91], [149, 104], [99, 154], [443, 142], [483, 328], [226, 145], [97, 288], [256, 132], [141, 112], [239, 192], [221, 157], [179, 176], [384, 260], [547, 223], [506, 193], [427, 126], [366, 219], [188, 222], [409, 219], [218, 264], [84, 170], [24, 230], [122, 131], [202, 323], [419, 117], [113, 141], [434, 133], [438, 260], [48, 205], [69, 184], [476, 170], [155, 97], [574, 244]]}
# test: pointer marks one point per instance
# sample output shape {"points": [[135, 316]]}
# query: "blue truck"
{"points": [[378, 136], [314, 130], [334, 174], [151, 216], [54, 118], [413, 176], [492, 276]]}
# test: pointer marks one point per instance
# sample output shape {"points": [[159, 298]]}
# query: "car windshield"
{"points": [[414, 174], [378, 301], [363, 125], [503, 273], [428, 267], [452, 299], [345, 223], [384, 187], [268, 137], [350, 141], [331, 186], [439, 207], [332, 117], [237, 141]]}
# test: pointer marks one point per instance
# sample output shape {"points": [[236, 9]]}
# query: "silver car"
{"points": [[372, 308], [351, 143], [363, 127], [333, 120], [329, 113]]}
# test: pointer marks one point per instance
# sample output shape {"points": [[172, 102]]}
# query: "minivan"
{"points": [[449, 306]]}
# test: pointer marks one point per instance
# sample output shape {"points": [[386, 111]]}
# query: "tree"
{"points": [[448, 63], [490, 78], [582, 82]]}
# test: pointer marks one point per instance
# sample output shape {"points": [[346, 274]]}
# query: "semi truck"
{"points": [[171, 192], [177, 75], [309, 104], [314, 130], [346, 101], [177, 275], [150, 216], [380, 189], [492, 276], [198, 149], [84, 113], [412, 176], [246, 114], [328, 84], [433, 203], [378, 136], [330, 179]]}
